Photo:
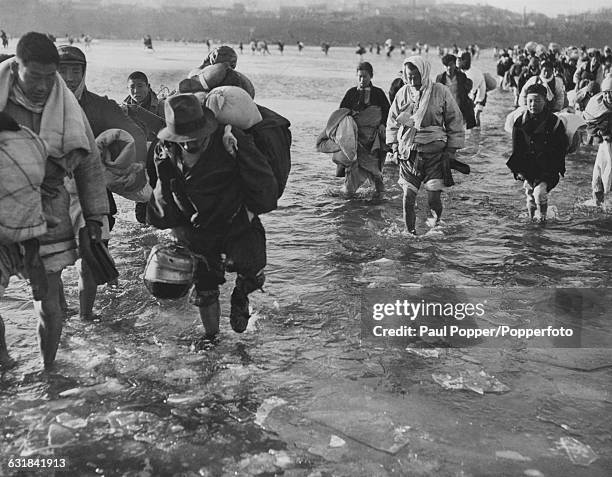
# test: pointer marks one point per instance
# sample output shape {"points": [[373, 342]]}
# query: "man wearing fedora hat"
{"points": [[210, 198]]}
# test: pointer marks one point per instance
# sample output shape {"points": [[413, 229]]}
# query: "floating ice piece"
{"points": [[111, 386], [410, 285], [281, 458], [68, 420], [512, 455], [336, 441], [579, 453], [266, 408], [381, 261], [479, 382], [183, 399], [59, 435], [533, 473], [424, 352]]}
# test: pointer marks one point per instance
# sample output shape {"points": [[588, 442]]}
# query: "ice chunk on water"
{"points": [[579, 453], [266, 408]]}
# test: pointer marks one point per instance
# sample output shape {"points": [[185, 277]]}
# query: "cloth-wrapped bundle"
{"points": [[232, 105], [22, 160], [574, 125], [212, 76], [118, 153]]}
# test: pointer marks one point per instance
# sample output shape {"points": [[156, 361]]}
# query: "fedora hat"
{"points": [[186, 119]]}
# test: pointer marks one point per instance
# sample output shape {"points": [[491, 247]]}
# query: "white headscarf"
{"points": [[419, 96]]}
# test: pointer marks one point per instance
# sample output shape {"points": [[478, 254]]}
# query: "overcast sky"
{"points": [[549, 7]]}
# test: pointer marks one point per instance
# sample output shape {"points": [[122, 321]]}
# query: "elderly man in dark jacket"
{"points": [[103, 114], [461, 86], [210, 199]]}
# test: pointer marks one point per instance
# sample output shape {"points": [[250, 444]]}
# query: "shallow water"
{"points": [[155, 399]]}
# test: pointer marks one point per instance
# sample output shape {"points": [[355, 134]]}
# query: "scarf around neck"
{"points": [[18, 96], [80, 88]]}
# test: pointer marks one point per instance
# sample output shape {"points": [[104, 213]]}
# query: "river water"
{"points": [[140, 394]]}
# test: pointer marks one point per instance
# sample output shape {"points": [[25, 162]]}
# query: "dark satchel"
{"points": [[98, 259], [245, 245]]}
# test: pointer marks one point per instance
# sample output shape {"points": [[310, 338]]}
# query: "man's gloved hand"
{"points": [[94, 230]]}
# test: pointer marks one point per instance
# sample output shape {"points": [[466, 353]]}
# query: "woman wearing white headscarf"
{"points": [[425, 127]]}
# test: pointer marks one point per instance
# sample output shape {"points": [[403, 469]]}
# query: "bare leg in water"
{"points": [[409, 212], [50, 319], [435, 203], [210, 311]]}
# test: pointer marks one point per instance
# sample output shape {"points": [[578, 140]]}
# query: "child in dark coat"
{"points": [[539, 146]]}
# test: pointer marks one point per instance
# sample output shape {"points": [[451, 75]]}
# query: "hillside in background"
{"points": [[437, 24]]}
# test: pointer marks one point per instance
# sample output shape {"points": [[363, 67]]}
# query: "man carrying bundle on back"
{"points": [[22, 159], [34, 94], [211, 199]]}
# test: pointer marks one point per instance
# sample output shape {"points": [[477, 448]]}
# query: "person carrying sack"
{"points": [[34, 94], [425, 128], [211, 199]]}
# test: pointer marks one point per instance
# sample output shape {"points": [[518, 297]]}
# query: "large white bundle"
{"points": [[571, 98], [541, 50], [602, 170], [233, 105], [512, 117], [22, 161], [490, 81], [574, 125]]}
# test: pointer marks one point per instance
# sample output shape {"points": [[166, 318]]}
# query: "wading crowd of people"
{"points": [[206, 160]]}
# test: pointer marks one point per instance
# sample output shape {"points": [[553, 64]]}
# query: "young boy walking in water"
{"points": [[539, 145]]}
